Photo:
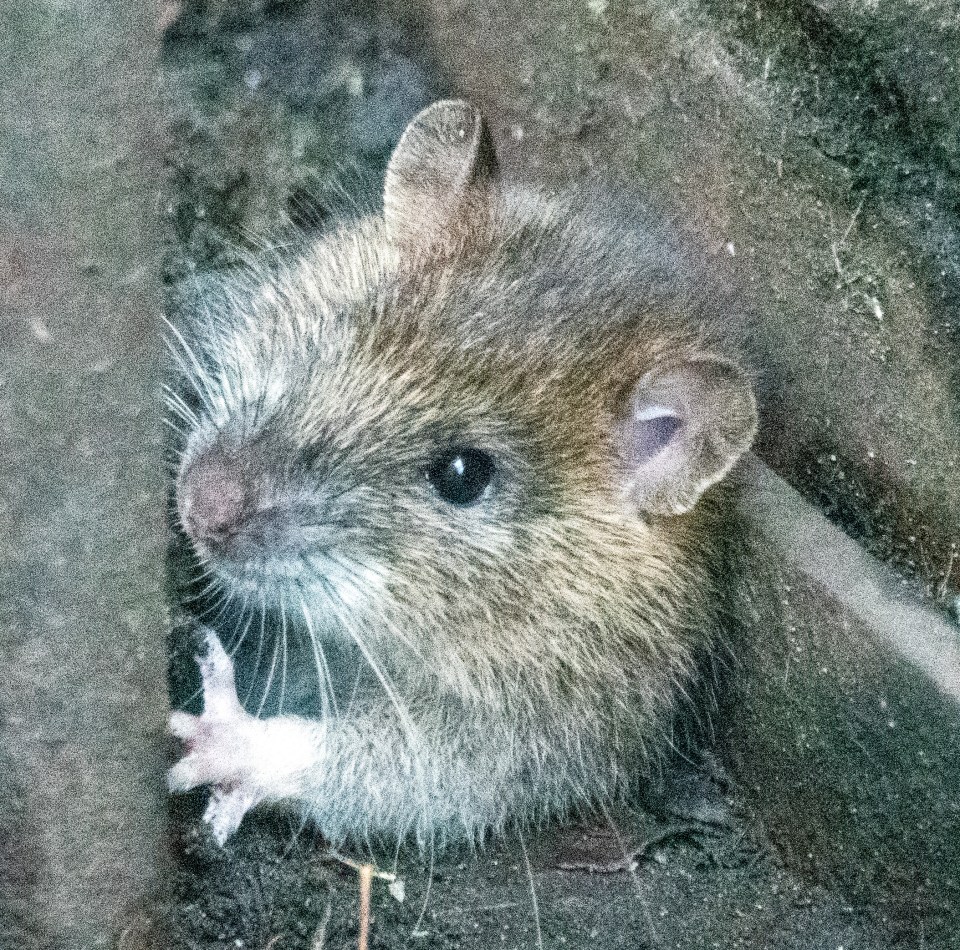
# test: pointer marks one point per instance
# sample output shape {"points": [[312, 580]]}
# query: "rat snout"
{"points": [[215, 498]]}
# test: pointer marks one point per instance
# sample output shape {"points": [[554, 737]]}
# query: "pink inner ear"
{"points": [[651, 436]]}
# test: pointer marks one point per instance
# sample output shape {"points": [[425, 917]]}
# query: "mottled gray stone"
{"points": [[82, 618]]}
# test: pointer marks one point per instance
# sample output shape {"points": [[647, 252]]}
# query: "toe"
{"points": [[185, 775], [225, 811], [183, 726], [219, 688]]}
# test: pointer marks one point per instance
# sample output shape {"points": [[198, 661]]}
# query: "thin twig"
{"points": [[367, 873], [387, 876], [366, 886]]}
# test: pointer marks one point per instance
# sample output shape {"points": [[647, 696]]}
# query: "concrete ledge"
{"points": [[843, 722], [82, 620]]}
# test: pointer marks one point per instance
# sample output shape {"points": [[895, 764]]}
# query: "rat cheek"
{"points": [[335, 583]]}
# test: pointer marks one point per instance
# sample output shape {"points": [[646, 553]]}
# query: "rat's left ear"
{"points": [[443, 161], [683, 428]]}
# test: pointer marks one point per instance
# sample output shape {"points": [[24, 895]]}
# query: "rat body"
{"points": [[480, 441]]}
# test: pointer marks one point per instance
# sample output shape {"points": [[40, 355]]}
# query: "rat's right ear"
{"points": [[684, 426], [442, 163]]}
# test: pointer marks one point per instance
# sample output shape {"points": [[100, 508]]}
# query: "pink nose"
{"points": [[214, 499]]}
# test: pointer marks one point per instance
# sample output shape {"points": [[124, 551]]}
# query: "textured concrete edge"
{"points": [[865, 587], [841, 722], [82, 619]]}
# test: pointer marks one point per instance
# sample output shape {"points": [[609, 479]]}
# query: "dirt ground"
{"points": [[282, 107], [710, 888]]}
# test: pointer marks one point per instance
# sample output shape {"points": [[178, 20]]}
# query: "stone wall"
{"points": [[82, 620]]}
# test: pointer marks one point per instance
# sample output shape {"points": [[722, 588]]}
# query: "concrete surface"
{"points": [[842, 720], [82, 619]]}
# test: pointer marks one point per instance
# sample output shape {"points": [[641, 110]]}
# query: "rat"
{"points": [[485, 441]]}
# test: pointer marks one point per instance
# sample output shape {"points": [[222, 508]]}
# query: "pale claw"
{"points": [[183, 726], [220, 699], [225, 811]]}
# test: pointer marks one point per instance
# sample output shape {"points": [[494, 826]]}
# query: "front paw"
{"points": [[245, 760]]}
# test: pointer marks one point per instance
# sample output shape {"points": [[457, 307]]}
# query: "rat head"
{"points": [[474, 433]]}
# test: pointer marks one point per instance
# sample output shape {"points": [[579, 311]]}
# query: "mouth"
{"points": [[275, 578], [320, 581]]}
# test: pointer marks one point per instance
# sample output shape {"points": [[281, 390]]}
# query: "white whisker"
{"points": [[533, 890], [167, 421], [257, 659], [426, 895], [412, 735], [176, 404], [198, 376], [632, 871], [324, 680], [283, 664], [270, 675], [237, 641]]}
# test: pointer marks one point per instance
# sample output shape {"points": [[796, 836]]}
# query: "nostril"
{"points": [[214, 499]]}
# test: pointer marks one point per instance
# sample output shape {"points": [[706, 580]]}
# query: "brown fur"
{"points": [[556, 623]]}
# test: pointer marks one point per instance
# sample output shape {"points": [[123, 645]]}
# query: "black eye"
{"points": [[461, 476]]}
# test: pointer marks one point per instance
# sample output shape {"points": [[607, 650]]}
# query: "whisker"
{"points": [[270, 675], [375, 667], [199, 377], [260, 642], [426, 895], [237, 641], [411, 734], [167, 421], [177, 404], [634, 877], [225, 603], [328, 697], [349, 568], [533, 890], [206, 591], [283, 664], [354, 695]]}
